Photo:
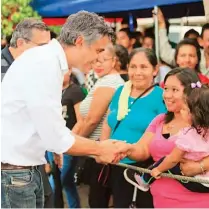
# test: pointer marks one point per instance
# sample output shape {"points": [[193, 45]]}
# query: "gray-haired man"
{"points": [[27, 34], [31, 108]]}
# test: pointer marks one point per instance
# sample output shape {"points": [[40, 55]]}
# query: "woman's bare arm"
{"points": [[140, 150], [98, 108], [191, 168]]}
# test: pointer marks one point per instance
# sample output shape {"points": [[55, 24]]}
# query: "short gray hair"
{"points": [[88, 25], [24, 30]]}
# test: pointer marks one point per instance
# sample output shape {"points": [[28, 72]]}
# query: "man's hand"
{"points": [[122, 147], [155, 173], [48, 168], [58, 160], [124, 150], [110, 149]]}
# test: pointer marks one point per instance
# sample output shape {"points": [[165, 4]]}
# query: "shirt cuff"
{"points": [[65, 143]]}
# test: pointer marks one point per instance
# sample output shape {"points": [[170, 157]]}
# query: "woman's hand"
{"points": [[126, 151], [190, 168]]}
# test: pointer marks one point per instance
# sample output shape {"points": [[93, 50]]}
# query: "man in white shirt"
{"points": [[32, 113], [27, 34]]}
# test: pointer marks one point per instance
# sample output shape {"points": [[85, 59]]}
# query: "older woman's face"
{"points": [[104, 63], [187, 57], [140, 71], [173, 94]]}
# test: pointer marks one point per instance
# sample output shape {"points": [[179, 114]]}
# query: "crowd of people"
{"points": [[120, 104]]}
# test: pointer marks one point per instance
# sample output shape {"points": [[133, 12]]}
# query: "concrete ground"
{"points": [[83, 191]]}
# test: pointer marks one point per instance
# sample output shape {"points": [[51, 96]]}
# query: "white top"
{"points": [[167, 52], [31, 117], [110, 81]]}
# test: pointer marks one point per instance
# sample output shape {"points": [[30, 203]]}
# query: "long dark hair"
{"points": [[122, 55], [198, 103], [186, 76], [191, 42]]}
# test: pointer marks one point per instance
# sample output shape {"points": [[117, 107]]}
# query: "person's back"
{"points": [[14, 91], [113, 81]]}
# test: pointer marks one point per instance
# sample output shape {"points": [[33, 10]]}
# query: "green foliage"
{"points": [[14, 11], [55, 29]]}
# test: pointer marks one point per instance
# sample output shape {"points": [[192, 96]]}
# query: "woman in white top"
{"points": [[93, 111], [94, 107]]}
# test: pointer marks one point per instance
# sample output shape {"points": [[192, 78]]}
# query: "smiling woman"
{"points": [[188, 55], [133, 115], [159, 141]]}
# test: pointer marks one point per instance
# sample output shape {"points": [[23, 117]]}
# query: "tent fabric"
{"points": [[61, 8]]}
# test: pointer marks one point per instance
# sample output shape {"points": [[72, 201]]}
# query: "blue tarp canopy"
{"points": [[62, 8]]}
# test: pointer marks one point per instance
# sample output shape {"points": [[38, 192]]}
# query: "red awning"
{"points": [[61, 21]]}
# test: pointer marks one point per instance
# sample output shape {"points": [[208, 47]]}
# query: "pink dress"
{"points": [[169, 193]]}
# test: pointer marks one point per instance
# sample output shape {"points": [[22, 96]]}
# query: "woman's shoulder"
{"points": [[156, 123], [160, 118], [156, 93], [110, 81], [118, 91], [158, 90]]}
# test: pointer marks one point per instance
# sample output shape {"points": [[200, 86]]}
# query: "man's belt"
{"points": [[7, 166]]}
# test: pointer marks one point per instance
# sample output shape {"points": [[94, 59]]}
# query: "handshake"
{"points": [[112, 151], [109, 151]]}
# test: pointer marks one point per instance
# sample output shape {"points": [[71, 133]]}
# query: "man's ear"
{"points": [[79, 41], [20, 42]]}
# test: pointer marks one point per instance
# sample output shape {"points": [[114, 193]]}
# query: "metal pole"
{"points": [[156, 34]]}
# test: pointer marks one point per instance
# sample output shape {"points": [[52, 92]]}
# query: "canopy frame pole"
{"points": [[156, 34]]}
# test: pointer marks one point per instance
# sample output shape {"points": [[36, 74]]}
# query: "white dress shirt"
{"points": [[31, 117]]}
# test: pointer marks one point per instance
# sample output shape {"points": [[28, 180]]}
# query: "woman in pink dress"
{"points": [[159, 141]]}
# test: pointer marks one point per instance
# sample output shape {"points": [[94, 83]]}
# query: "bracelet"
{"points": [[202, 167]]}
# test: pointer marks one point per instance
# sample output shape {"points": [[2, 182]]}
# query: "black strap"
{"points": [[143, 93]]}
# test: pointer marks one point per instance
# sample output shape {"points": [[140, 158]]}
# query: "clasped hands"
{"points": [[110, 151]]}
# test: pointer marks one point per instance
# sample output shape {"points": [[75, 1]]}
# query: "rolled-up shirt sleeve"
{"points": [[166, 51], [43, 101]]}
